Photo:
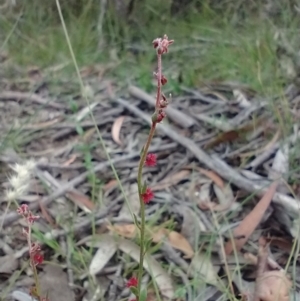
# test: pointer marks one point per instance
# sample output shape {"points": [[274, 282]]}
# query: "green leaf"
{"points": [[147, 244], [136, 222], [143, 295], [135, 291], [154, 117]]}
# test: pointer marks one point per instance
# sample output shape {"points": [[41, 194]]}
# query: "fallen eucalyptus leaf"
{"points": [[134, 203], [116, 128], [158, 274], [175, 239], [54, 284], [251, 221], [273, 285], [8, 264], [202, 266], [21, 296], [107, 246]]}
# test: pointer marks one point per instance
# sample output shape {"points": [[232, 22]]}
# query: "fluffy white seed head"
{"points": [[22, 172], [15, 181], [11, 195], [20, 180], [30, 165]]}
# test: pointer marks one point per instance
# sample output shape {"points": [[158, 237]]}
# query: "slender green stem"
{"points": [[36, 279], [140, 173], [159, 72], [140, 185], [33, 267]]}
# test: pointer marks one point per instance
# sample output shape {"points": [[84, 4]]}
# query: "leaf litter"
{"points": [[203, 203]]}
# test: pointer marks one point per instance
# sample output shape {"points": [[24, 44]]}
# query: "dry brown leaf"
{"points": [[54, 284], [213, 176], [231, 135], [8, 264], [81, 200], [225, 197], [250, 222], [46, 215], [107, 246], [88, 134], [127, 230], [171, 180], [179, 242], [46, 124], [281, 243], [273, 286], [262, 149], [159, 234], [116, 128], [70, 161], [175, 239], [154, 268], [34, 73], [111, 184]]}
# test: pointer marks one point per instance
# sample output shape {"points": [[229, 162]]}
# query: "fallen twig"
{"points": [[33, 97], [176, 116], [215, 163]]}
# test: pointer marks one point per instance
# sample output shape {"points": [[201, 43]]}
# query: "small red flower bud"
{"points": [[23, 209], [161, 45], [34, 248], [132, 282], [32, 218], [163, 80], [38, 258], [156, 42], [147, 196], [161, 115], [163, 102], [150, 160]]}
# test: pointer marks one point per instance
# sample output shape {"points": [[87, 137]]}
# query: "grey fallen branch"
{"points": [[175, 115], [215, 163], [13, 216], [31, 96]]}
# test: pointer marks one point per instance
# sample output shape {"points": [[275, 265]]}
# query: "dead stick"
{"points": [[175, 115], [32, 96], [12, 216], [215, 163]]}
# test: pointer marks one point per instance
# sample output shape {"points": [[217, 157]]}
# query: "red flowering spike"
{"points": [[38, 258], [161, 45], [147, 196], [150, 160], [132, 282]]}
